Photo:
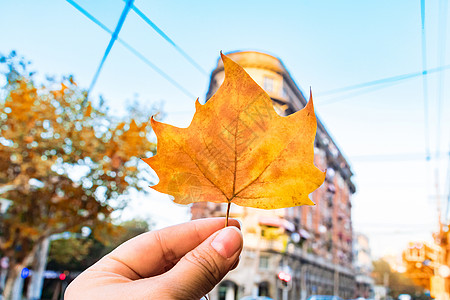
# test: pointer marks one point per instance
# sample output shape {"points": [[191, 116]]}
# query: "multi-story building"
{"points": [[294, 252], [362, 262], [428, 266]]}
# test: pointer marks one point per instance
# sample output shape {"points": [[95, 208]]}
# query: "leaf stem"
{"points": [[228, 213]]}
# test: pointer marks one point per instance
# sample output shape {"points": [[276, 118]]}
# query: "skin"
{"points": [[184, 261]]}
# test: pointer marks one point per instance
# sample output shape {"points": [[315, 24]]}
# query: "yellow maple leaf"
{"points": [[237, 149]]}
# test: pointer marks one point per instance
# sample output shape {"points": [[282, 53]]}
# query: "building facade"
{"points": [[362, 262], [295, 252], [428, 266]]}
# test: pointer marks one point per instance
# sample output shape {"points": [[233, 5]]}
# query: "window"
{"points": [[309, 219], [290, 212], [284, 93], [264, 262], [268, 84], [227, 290]]}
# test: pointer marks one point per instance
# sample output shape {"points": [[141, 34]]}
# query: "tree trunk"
{"points": [[3, 272], [13, 275], [11, 288], [39, 264], [57, 291]]}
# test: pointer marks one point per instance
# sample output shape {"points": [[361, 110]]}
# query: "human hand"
{"points": [[184, 261]]}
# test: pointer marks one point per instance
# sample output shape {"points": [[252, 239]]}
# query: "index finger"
{"points": [[155, 252]]}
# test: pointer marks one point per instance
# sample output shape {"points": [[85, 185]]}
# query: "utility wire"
{"points": [[84, 12], [358, 93], [113, 39], [168, 39], [424, 78], [442, 41], [370, 83], [384, 80], [375, 84], [133, 50]]}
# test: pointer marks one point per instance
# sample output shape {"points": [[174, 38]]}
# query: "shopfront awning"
{"points": [[304, 234], [277, 222]]}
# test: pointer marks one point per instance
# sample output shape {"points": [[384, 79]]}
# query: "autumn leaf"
{"points": [[237, 149]]}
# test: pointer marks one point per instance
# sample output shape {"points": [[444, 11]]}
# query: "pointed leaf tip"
{"points": [[153, 122], [310, 103], [197, 105], [227, 62], [223, 57]]}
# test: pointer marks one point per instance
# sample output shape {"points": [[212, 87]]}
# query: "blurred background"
{"points": [[80, 79]]}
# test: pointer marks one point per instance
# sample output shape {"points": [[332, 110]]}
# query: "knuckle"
{"points": [[168, 253]]}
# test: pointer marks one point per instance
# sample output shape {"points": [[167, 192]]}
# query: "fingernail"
{"points": [[228, 241]]}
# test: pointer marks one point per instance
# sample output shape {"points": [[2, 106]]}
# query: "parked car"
{"points": [[324, 297], [404, 297]]}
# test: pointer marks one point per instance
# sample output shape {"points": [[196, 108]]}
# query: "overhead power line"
{"points": [[133, 50], [375, 85], [384, 80], [113, 39], [425, 79], [442, 41], [168, 39], [358, 93]]}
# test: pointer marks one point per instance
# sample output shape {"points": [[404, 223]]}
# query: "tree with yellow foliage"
{"points": [[65, 163]]}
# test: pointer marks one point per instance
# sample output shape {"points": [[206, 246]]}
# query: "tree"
{"points": [[65, 163], [74, 254], [77, 254], [398, 283]]}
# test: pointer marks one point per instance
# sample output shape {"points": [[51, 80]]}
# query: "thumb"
{"points": [[201, 269]]}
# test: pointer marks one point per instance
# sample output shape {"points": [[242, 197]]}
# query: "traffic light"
{"points": [[63, 275], [285, 278]]}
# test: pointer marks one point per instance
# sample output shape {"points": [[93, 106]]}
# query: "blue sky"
{"points": [[324, 44]]}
